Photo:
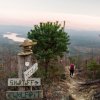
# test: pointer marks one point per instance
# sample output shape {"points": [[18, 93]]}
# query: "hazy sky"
{"points": [[78, 14]]}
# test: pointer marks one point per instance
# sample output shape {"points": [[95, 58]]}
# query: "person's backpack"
{"points": [[72, 67]]}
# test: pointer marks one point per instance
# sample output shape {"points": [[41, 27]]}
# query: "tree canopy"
{"points": [[52, 40]]}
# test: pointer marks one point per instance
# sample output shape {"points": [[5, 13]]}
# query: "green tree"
{"points": [[93, 66], [51, 39]]}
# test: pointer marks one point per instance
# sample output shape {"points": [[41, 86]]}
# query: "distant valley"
{"points": [[82, 42]]}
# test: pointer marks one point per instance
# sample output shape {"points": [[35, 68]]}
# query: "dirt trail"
{"points": [[74, 87]]}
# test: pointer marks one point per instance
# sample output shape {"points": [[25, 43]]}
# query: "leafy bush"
{"points": [[92, 65]]}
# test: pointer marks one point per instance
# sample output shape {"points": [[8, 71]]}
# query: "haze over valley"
{"points": [[82, 42]]}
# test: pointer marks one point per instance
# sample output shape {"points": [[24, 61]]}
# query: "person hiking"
{"points": [[72, 68]]}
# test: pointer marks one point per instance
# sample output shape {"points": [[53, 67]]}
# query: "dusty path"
{"points": [[74, 87]]}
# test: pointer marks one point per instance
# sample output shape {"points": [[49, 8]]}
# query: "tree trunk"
{"points": [[46, 68], [45, 79]]}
